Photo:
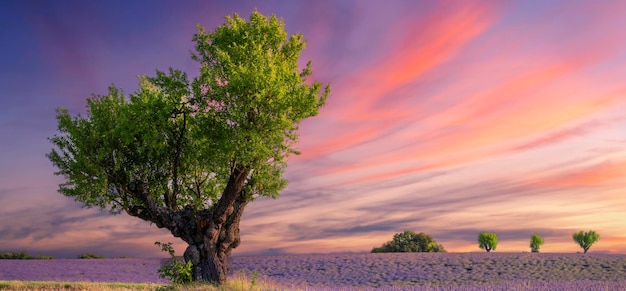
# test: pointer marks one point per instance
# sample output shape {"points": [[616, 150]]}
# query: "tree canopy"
{"points": [[189, 154], [487, 241], [586, 239], [410, 242]]}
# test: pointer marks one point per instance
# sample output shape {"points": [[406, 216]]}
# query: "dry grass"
{"points": [[236, 283]]}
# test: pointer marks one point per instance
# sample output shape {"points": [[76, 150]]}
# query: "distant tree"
{"points": [[410, 242], [535, 242], [586, 239], [487, 241], [189, 155]]}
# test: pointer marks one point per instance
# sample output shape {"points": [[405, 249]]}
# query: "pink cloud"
{"points": [[363, 100], [425, 44], [533, 101]]}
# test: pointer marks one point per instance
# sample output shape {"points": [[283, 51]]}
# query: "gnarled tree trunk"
{"points": [[218, 234], [211, 235], [210, 255]]}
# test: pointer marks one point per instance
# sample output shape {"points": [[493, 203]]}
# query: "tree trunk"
{"points": [[207, 266], [218, 234], [210, 257]]}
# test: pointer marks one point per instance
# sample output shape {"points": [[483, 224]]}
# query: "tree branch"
{"points": [[233, 188], [229, 236], [170, 200]]}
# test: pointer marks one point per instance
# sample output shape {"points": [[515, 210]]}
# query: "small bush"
{"points": [[255, 274], [90, 256], [43, 257], [175, 270]]}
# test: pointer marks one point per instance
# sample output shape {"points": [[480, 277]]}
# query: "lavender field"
{"points": [[392, 271], [93, 270], [447, 270]]}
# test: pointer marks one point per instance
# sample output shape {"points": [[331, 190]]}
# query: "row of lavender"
{"points": [[391, 271]]}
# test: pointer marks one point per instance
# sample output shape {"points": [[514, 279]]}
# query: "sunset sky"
{"points": [[448, 118]]}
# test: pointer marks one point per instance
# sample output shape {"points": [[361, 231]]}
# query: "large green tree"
{"points": [[189, 155], [410, 242]]}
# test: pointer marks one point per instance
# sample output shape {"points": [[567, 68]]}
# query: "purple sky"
{"points": [[449, 118]]}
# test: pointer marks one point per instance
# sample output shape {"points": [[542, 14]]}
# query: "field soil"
{"points": [[394, 271]]}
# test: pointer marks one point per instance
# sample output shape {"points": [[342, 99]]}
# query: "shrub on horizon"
{"points": [[535, 242], [23, 255], [43, 257], [487, 241], [90, 256], [410, 242], [586, 239]]}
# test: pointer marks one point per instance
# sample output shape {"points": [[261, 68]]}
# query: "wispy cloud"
{"points": [[595, 175]]}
